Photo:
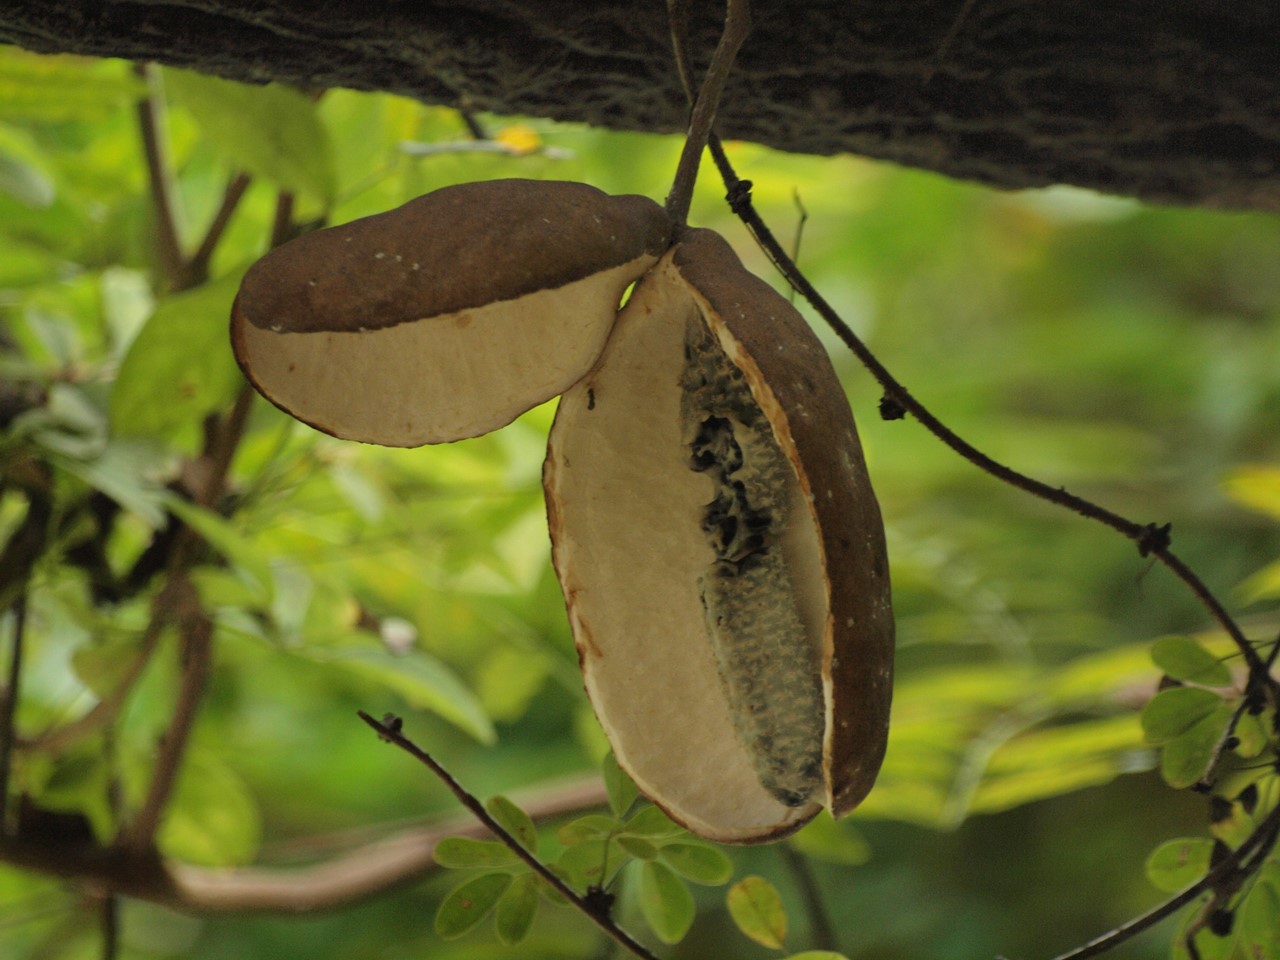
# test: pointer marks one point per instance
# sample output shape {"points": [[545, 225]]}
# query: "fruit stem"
{"points": [[737, 24]]}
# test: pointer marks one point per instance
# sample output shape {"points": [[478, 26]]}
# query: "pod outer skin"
{"points": [[456, 248], [859, 656]]}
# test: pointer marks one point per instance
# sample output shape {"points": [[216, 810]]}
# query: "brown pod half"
{"points": [[447, 317], [722, 555]]}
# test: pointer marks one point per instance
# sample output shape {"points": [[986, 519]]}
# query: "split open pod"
{"points": [[715, 534], [722, 555], [447, 317]]}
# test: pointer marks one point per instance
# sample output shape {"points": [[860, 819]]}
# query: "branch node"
{"points": [[891, 408], [1155, 539]]}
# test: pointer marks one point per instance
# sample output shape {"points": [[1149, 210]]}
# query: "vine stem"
{"points": [[737, 24], [390, 732], [1152, 540]]}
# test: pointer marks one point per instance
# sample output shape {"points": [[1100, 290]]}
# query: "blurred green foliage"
{"points": [[1127, 352]]}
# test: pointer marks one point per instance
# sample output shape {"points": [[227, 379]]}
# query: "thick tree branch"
{"points": [[1171, 101], [331, 884]]}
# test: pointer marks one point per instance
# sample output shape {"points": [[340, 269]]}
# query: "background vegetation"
{"points": [[1127, 352]]}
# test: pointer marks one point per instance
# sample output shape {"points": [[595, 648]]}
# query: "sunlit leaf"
{"points": [[179, 367], [756, 907], [699, 862], [467, 852], [424, 682], [665, 901], [470, 903], [516, 909], [51, 89], [1184, 659], [1257, 487], [816, 955], [514, 820], [270, 131], [1179, 863]]}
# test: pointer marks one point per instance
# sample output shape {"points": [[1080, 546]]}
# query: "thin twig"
{"points": [[1254, 849], [163, 194], [110, 927], [196, 631], [737, 24], [197, 269], [821, 928], [9, 705], [1152, 540], [391, 733]]}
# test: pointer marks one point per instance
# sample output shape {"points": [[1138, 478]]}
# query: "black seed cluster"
{"points": [[766, 664]]}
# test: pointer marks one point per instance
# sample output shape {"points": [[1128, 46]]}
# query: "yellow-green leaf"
{"points": [[465, 852], [514, 820], [665, 901], [516, 909], [699, 862], [756, 907], [470, 903], [1186, 758], [1179, 863], [622, 792]]}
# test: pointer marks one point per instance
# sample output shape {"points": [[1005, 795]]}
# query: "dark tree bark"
{"points": [[1170, 100]]}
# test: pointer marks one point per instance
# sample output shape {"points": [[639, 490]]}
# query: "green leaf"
{"points": [[1184, 659], [1260, 923], [179, 367], [213, 819], [816, 955], [219, 533], [516, 909], [653, 824], [622, 792], [665, 901], [1179, 863], [470, 903], [515, 821], [638, 848], [25, 182], [756, 907], [423, 681], [1173, 712], [103, 666], [461, 853], [1186, 758], [269, 131], [699, 862], [592, 825]]}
